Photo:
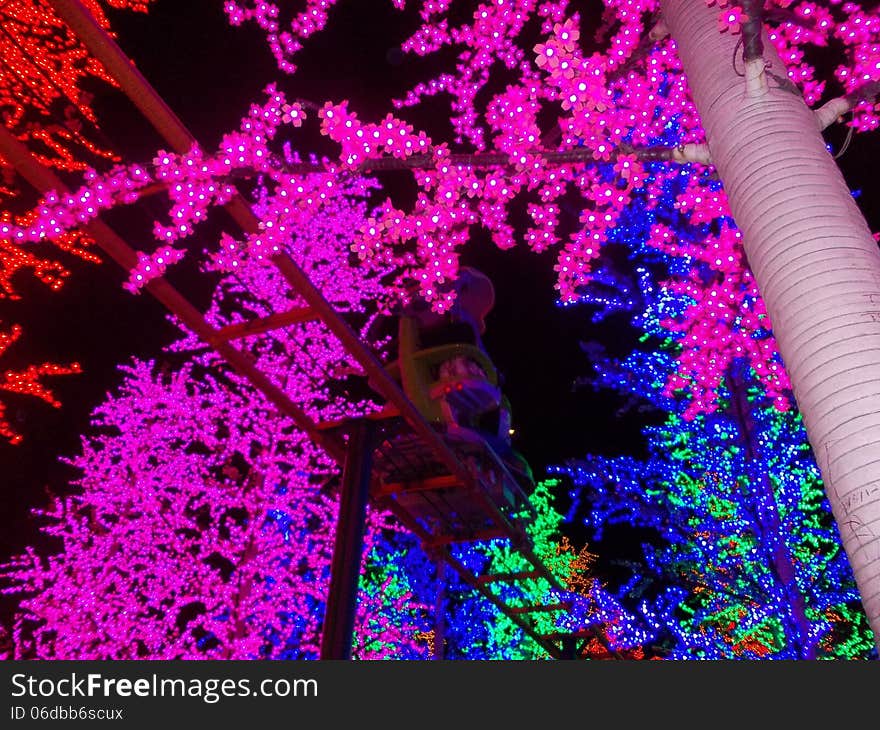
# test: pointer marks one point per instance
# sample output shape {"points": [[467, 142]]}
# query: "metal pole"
{"points": [[347, 551]]}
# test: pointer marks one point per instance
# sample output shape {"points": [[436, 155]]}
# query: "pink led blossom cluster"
{"points": [[284, 44], [854, 32], [58, 214], [601, 113], [725, 319], [611, 101], [494, 36], [596, 117], [194, 182]]}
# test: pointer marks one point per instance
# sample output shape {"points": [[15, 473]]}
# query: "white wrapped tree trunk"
{"points": [[814, 259]]}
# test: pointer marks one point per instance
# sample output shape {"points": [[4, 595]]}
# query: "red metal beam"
{"points": [[431, 484], [265, 324]]}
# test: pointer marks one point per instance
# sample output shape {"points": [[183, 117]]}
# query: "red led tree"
{"points": [[42, 78], [26, 382], [44, 70]]}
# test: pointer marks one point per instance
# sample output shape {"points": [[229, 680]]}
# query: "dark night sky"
{"points": [[208, 73]]}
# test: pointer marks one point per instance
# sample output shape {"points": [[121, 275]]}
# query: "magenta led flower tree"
{"points": [[200, 531]]}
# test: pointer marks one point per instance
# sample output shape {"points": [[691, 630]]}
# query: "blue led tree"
{"points": [[747, 560]]}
